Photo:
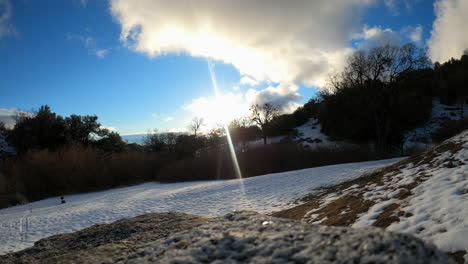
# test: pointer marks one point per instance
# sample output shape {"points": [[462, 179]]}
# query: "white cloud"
{"points": [[83, 3], [222, 109], [154, 115], [284, 96], [448, 36], [247, 80], [300, 41], [376, 36], [219, 110], [7, 116], [395, 6], [390, 4], [169, 118], [101, 53], [414, 33], [6, 12], [90, 43], [110, 128]]}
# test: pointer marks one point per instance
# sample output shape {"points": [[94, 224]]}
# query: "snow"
{"points": [[437, 210], [21, 226], [310, 131], [420, 138], [5, 147]]}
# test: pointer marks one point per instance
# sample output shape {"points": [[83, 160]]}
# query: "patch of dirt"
{"points": [[427, 157], [388, 216], [457, 256], [298, 212], [350, 202], [343, 211]]}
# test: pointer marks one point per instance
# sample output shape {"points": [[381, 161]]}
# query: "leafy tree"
{"points": [[43, 130], [81, 129], [47, 130], [112, 142]]}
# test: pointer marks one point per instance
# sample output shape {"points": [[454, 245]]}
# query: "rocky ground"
{"points": [[105, 243], [238, 237]]}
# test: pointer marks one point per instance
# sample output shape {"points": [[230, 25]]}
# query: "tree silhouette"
{"points": [[262, 115], [195, 125]]}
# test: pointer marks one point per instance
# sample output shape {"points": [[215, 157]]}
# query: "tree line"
{"points": [[381, 94]]}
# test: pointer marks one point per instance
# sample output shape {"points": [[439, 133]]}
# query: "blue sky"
{"points": [[69, 54]]}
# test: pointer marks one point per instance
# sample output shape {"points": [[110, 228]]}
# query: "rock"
{"points": [[247, 237], [105, 242], [238, 237]]}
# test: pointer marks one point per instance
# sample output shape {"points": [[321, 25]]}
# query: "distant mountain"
{"points": [[135, 138], [140, 138]]}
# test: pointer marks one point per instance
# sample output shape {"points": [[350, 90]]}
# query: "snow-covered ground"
{"points": [[438, 208], [425, 195], [21, 226], [310, 134]]}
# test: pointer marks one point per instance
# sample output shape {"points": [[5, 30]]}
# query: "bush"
{"points": [[43, 173], [449, 129], [261, 160]]}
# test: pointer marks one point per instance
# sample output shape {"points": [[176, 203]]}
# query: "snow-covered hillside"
{"points": [[421, 136], [425, 195], [21, 226]]}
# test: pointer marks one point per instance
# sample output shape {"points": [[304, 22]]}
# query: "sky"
{"points": [[141, 65]]}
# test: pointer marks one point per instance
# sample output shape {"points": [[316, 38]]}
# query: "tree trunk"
{"points": [[264, 140]]}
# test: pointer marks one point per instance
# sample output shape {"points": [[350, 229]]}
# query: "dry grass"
{"points": [[40, 174]]}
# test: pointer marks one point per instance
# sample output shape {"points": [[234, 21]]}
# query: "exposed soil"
{"points": [[341, 205], [388, 216], [457, 256]]}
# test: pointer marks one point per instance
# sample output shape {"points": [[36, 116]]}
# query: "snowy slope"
{"points": [[421, 136], [21, 226], [437, 210], [425, 195], [309, 135]]}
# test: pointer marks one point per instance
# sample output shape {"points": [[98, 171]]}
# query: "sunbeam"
{"points": [[228, 135]]}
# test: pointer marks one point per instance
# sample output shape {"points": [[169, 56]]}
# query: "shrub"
{"points": [[43, 173], [261, 160], [449, 129]]}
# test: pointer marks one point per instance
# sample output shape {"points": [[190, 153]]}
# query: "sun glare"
{"points": [[219, 110]]}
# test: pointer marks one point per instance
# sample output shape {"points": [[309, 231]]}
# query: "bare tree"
{"points": [[195, 125], [262, 115]]}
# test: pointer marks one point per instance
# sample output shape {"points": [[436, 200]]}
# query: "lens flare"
{"points": [[232, 150]]}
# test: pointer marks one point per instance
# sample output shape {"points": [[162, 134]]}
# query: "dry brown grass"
{"points": [[42, 173]]}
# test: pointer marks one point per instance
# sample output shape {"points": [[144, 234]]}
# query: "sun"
{"points": [[219, 110]]}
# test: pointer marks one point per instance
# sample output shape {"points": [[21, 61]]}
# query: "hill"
{"points": [[424, 195]]}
